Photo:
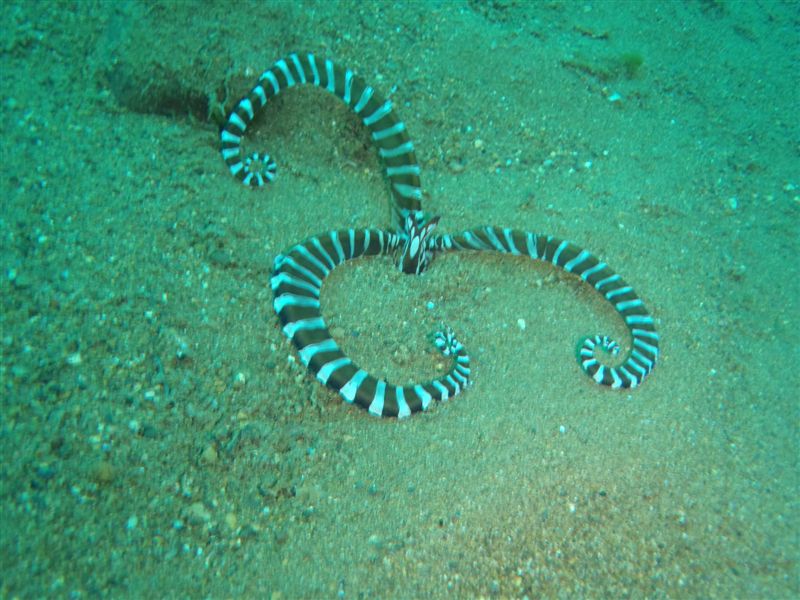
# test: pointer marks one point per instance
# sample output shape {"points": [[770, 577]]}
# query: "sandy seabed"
{"points": [[161, 439]]}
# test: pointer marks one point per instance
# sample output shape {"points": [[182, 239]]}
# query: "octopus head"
{"points": [[416, 251]]}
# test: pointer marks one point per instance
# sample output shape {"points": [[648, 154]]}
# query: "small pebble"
{"points": [[239, 381], [45, 471], [103, 473], [456, 166], [197, 514], [20, 281], [209, 455], [281, 537], [221, 258], [182, 351]]}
